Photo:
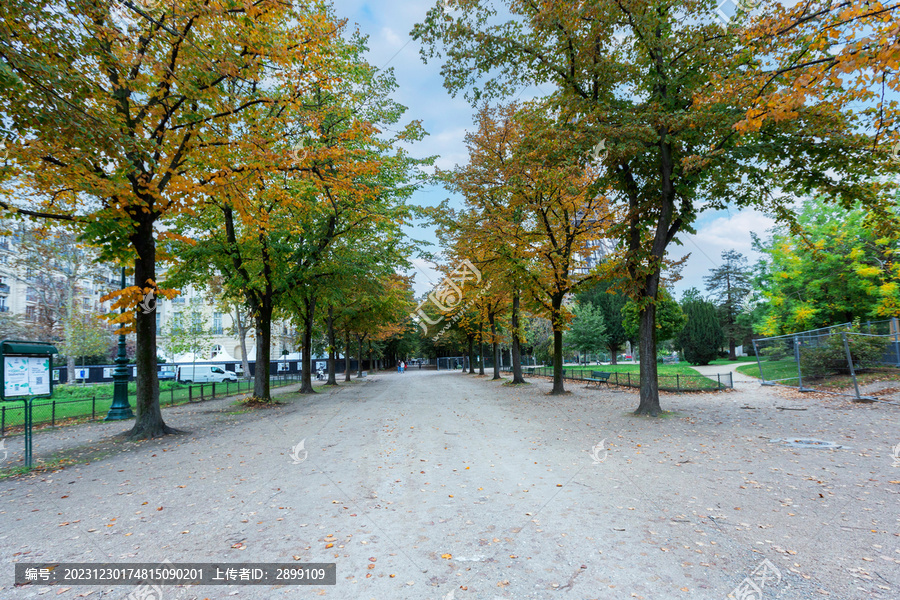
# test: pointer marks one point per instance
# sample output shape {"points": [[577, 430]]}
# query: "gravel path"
{"points": [[440, 485]]}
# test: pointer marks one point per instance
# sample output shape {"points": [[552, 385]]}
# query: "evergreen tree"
{"points": [[729, 284], [609, 305], [587, 332], [702, 336]]}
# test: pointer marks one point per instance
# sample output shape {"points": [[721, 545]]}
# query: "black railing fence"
{"points": [[53, 411], [669, 383]]}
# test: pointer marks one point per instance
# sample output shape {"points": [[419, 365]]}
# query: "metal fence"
{"points": [[668, 383], [832, 359], [52, 411]]}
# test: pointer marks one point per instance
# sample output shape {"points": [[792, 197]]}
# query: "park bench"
{"points": [[529, 371], [598, 377]]}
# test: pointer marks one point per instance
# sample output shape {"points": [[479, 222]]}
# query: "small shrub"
{"points": [[830, 357]]}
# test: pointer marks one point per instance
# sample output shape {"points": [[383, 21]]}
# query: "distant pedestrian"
{"points": [[398, 367], [402, 366]]}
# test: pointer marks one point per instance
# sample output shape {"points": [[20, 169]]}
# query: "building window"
{"points": [[217, 323], [3, 306], [30, 294], [196, 326], [158, 323], [30, 313]]}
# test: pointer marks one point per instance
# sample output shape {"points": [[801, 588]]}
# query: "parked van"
{"points": [[205, 374]]}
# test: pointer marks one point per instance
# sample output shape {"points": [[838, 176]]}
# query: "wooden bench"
{"points": [[598, 377]]}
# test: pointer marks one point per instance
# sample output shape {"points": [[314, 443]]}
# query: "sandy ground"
{"points": [[440, 485]]}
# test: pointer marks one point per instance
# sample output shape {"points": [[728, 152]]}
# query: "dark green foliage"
{"points": [[669, 317], [730, 285], [829, 357], [610, 305], [702, 336]]}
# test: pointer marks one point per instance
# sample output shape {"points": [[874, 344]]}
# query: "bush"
{"points": [[830, 358], [702, 335], [780, 351]]}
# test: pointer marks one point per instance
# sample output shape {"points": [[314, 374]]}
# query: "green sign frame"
{"points": [[26, 349]]}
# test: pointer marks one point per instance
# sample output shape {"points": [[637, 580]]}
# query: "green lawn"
{"points": [[784, 371], [671, 377], [725, 361], [93, 401]]}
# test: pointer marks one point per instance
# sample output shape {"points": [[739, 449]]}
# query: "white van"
{"points": [[205, 374]]}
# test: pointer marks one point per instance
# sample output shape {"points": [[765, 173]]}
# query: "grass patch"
{"points": [[73, 403], [671, 378], [784, 371]]}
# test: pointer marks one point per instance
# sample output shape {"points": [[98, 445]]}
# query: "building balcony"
{"points": [[4, 309], [4, 289]]}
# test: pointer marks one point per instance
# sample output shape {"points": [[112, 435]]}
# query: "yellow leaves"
{"points": [[867, 271]]}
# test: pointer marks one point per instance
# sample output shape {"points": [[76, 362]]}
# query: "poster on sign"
{"points": [[26, 375]]}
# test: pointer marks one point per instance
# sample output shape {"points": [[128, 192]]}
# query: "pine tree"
{"points": [[729, 284], [702, 336]]}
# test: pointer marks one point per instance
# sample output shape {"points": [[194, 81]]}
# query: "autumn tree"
{"points": [[279, 237], [527, 188], [660, 92], [123, 118]]}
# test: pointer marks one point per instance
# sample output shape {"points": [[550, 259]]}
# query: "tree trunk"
{"points": [[649, 404], [732, 349], [346, 355], [332, 358], [242, 336], [359, 357], [70, 369], [149, 422], [613, 351], [481, 354], [556, 322], [495, 346], [371, 363], [263, 320], [309, 311], [516, 350], [471, 354]]}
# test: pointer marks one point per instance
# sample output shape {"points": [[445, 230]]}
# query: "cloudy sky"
{"points": [[388, 23]]}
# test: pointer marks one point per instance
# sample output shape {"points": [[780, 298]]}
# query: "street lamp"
{"points": [[120, 408]]}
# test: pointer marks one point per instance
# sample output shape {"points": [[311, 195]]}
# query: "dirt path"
{"points": [[444, 482]]}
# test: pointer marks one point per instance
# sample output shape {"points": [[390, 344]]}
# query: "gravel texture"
{"points": [[448, 486]]}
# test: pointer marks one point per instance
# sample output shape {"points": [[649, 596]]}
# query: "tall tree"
{"points": [[124, 117], [663, 88], [730, 283], [524, 185]]}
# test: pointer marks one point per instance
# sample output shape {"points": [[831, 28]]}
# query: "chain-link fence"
{"points": [[843, 359]]}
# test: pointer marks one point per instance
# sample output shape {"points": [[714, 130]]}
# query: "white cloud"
{"points": [[726, 232]]}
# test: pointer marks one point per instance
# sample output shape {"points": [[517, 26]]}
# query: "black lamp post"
{"points": [[120, 408]]}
